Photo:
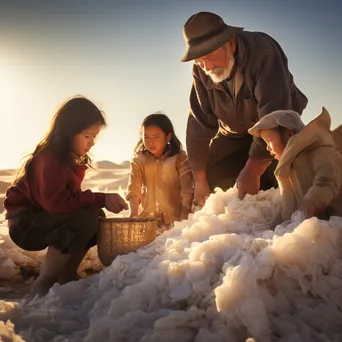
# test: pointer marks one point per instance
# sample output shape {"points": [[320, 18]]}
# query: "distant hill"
{"points": [[4, 186], [105, 164]]}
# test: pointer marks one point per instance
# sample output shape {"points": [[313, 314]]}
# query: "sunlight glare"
{"points": [[4, 80]]}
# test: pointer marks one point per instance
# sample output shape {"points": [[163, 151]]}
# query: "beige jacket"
{"points": [[311, 168], [163, 186]]}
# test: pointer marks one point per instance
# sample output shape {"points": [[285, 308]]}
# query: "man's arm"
{"points": [[202, 126]]}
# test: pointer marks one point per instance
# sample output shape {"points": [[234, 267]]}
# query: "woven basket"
{"points": [[119, 236]]}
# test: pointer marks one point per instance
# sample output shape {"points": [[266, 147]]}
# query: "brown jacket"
{"points": [[337, 134], [163, 186], [261, 84], [311, 168]]}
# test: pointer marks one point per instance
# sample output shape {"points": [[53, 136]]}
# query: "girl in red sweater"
{"points": [[46, 207]]}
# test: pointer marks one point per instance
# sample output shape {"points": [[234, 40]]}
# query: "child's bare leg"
{"points": [[70, 271], [53, 265]]}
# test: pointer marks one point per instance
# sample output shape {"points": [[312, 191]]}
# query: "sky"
{"points": [[125, 57]]}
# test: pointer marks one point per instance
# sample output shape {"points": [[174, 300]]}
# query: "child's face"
{"points": [[155, 140], [274, 141], [85, 140]]}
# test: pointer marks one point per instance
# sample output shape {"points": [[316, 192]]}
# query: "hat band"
{"points": [[209, 35]]}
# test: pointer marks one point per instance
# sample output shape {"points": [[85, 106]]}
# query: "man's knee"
{"points": [[224, 173], [215, 180]]}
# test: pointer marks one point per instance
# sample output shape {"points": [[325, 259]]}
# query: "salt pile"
{"points": [[222, 275]]}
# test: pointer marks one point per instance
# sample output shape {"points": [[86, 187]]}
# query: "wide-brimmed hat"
{"points": [[204, 32], [285, 118]]}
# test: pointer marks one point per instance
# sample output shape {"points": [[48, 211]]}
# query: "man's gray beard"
{"points": [[225, 72]]}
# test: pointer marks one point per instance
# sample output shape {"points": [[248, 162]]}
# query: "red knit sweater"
{"points": [[53, 186]]}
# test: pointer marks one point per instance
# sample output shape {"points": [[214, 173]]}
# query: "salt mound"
{"points": [[7, 333], [222, 275]]}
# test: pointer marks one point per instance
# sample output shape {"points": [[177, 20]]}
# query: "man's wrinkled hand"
{"points": [[201, 193], [247, 183]]}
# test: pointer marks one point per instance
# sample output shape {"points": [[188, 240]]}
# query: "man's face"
{"points": [[218, 64]]}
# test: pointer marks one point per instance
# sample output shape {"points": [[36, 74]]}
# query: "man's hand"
{"points": [[202, 190], [115, 203], [248, 181]]}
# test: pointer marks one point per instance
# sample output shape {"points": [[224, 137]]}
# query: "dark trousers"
{"points": [[228, 157], [69, 233]]}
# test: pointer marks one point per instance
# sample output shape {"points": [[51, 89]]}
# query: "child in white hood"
{"points": [[309, 170]]}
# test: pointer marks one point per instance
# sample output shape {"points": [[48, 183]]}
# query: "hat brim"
{"points": [[285, 118], [210, 45], [255, 130]]}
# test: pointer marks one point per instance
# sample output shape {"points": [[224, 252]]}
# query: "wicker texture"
{"points": [[119, 236]]}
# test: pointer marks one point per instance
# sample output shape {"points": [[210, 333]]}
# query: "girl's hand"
{"points": [[115, 203]]}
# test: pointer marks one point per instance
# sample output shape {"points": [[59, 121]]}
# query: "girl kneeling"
{"points": [[46, 207]]}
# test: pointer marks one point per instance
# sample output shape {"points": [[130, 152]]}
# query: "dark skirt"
{"points": [[69, 233]]}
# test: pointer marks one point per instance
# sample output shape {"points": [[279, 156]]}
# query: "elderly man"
{"points": [[238, 77]]}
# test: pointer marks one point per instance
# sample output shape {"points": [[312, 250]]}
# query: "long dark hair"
{"points": [[164, 123], [73, 116]]}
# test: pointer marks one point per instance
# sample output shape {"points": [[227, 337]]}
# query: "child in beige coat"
{"points": [[309, 170], [160, 182]]}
